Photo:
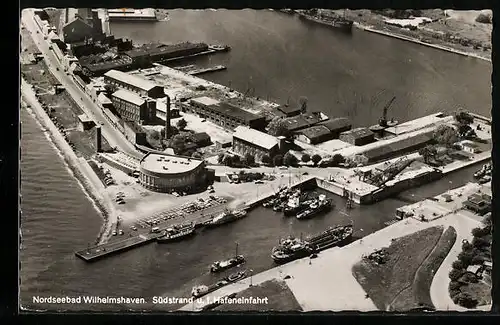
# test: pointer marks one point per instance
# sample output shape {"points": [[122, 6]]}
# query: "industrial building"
{"points": [[169, 173], [134, 133], [256, 143], [224, 114], [357, 137], [315, 134], [338, 125], [133, 83], [480, 203], [161, 110], [303, 121], [86, 123], [289, 111], [400, 147], [133, 107], [81, 25]]}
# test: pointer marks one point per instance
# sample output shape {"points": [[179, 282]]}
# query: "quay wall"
{"points": [[116, 164]]}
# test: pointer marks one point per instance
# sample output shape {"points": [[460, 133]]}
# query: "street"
{"points": [[114, 137]]}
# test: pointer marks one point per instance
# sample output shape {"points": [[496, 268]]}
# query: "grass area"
{"points": [[418, 294], [479, 291], [385, 282], [280, 298]]}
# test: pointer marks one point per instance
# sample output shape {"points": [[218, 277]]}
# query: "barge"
{"points": [[201, 290], [177, 233]]}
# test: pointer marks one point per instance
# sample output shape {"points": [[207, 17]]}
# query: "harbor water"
{"points": [[278, 56]]}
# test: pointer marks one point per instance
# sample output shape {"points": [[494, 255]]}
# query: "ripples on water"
{"points": [[280, 57]]}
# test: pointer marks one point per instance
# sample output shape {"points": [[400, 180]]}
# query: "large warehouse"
{"points": [[169, 173], [133, 83]]}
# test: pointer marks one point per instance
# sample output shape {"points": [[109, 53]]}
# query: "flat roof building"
{"points": [[289, 111], [358, 137], [303, 121], [338, 125], [479, 203], [168, 173], [315, 134], [224, 114], [134, 83], [86, 123]]}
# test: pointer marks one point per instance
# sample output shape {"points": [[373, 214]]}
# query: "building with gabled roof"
{"points": [[254, 142], [134, 83], [133, 107]]}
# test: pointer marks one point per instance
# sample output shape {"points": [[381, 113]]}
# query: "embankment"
{"points": [[70, 159]]}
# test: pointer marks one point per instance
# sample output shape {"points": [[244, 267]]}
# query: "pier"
{"points": [[196, 72]]}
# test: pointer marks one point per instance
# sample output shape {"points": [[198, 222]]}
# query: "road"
{"points": [[113, 136]]}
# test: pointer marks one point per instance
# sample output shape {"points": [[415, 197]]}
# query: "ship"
{"points": [[201, 290], [319, 205], [219, 266], [220, 48], [293, 248], [290, 249], [177, 233], [341, 23], [225, 217]]}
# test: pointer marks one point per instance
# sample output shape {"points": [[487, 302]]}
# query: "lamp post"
{"points": [[251, 275]]}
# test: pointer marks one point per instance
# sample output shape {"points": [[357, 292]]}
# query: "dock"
{"points": [[196, 72], [100, 251]]}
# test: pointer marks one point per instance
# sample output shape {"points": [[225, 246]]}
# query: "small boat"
{"points": [[220, 48], [225, 217], [177, 233], [202, 290], [278, 207], [219, 266], [322, 204]]}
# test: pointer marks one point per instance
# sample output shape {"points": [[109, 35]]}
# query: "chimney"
{"points": [[168, 130], [281, 143], [98, 138]]}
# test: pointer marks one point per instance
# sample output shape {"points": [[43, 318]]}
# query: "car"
{"points": [[133, 228], [113, 233], [121, 232], [204, 120], [101, 122], [305, 173], [258, 182], [121, 202]]}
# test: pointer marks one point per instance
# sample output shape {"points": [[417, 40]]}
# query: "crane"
{"points": [[383, 120]]}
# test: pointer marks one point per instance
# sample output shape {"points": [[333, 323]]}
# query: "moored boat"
{"points": [[177, 233], [201, 290], [225, 217], [219, 266], [317, 206]]}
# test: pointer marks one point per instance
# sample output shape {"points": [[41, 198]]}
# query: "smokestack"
{"points": [[98, 138], [168, 129]]}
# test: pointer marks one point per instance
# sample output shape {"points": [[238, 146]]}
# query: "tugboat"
{"points": [[219, 266], [319, 205], [177, 233], [225, 217], [202, 290], [289, 250]]}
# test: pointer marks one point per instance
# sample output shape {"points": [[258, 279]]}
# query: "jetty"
{"points": [[196, 72]]}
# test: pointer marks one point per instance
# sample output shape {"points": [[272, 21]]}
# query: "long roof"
{"points": [[255, 137], [132, 80], [315, 132], [359, 133], [169, 164], [337, 123], [129, 97]]}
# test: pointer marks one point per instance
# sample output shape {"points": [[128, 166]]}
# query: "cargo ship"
{"points": [[176, 233], [318, 206], [225, 217], [219, 266], [201, 290], [341, 23], [294, 248]]}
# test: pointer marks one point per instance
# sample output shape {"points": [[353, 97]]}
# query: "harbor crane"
{"points": [[383, 120], [382, 177]]}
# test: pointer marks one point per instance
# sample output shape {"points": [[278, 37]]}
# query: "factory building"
{"points": [[133, 83], [315, 134], [256, 143], [224, 114], [358, 137], [479, 203], [169, 173], [304, 121], [338, 125], [289, 111], [133, 107], [80, 25]]}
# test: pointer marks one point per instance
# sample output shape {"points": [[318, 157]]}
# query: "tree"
{"points": [[457, 265], [454, 285], [480, 242], [316, 159], [480, 232], [290, 160], [484, 18], [305, 158], [337, 159], [277, 127], [109, 88], [455, 274], [266, 159], [196, 155], [220, 158], [278, 160], [477, 260], [464, 130], [466, 257], [228, 160], [249, 159], [446, 135], [178, 143], [181, 124], [465, 300], [155, 135]]}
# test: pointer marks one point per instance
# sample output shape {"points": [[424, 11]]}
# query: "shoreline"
{"points": [[400, 36], [71, 161]]}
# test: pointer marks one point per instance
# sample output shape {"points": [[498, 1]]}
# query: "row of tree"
{"points": [[474, 253]]}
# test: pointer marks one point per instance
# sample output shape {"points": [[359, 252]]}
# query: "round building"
{"points": [[167, 173]]}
